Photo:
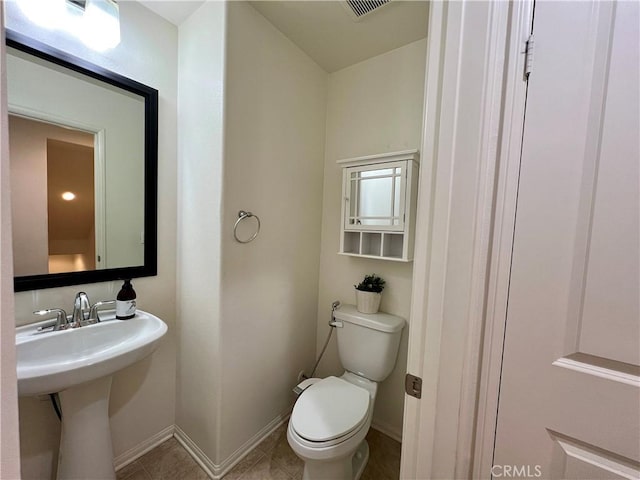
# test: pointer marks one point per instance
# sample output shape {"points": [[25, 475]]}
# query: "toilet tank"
{"points": [[368, 342]]}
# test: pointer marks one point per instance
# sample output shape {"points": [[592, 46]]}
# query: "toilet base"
{"points": [[347, 468], [360, 459]]}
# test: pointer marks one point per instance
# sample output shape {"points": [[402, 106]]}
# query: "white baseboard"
{"points": [[213, 470], [388, 430], [217, 471], [149, 444], [198, 455]]}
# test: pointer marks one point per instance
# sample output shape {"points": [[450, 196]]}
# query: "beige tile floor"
{"points": [[271, 459]]}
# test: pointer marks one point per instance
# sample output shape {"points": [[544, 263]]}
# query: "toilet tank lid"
{"points": [[383, 322]]}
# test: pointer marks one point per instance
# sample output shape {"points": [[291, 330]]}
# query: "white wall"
{"points": [[142, 398], [275, 105], [373, 107], [200, 113], [259, 299], [9, 444]]}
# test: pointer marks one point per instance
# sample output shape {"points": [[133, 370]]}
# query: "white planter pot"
{"points": [[367, 302]]}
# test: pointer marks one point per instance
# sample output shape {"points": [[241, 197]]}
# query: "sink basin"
{"points": [[78, 364], [54, 361]]}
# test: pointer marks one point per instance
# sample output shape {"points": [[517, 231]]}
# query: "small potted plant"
{"points": [[369, 293]]}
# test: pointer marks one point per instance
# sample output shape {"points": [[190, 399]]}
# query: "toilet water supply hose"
{"points": [[334, 306], [55, 401]]}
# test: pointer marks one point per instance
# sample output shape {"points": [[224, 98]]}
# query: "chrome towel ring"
{"points": [[241, 216]]}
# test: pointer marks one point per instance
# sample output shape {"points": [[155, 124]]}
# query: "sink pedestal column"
{"points": [[85, 443]]}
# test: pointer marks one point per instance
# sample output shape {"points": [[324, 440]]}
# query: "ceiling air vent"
{"points": [[360, 8]]}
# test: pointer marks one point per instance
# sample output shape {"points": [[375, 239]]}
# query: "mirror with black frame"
{"points": [[83, 163]]}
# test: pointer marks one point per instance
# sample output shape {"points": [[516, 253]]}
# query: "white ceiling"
{"points": [[325, 30], [176, 11]]}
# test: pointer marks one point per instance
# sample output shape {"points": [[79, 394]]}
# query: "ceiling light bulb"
{"points": [[68, 196], [101, 29]]}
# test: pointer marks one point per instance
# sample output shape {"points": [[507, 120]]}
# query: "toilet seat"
{"points": [[330, 411]]}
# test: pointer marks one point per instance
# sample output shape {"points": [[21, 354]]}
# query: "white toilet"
{"points": [[331, 418]]}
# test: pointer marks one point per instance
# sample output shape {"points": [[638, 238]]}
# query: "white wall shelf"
{"points": [[378, 205]]}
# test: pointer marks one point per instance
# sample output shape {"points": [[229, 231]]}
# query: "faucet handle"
{"points": [[93, 313], [61, 318]]}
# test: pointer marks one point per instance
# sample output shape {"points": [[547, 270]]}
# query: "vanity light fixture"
{"points": [[45, 13], [95, 22], [68, 196], [101, 24]]}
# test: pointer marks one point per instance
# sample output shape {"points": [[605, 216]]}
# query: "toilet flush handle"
{"points": [[336, 323]]}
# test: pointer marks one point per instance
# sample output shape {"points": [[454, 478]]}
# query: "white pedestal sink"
{"points": [[78, 364]]}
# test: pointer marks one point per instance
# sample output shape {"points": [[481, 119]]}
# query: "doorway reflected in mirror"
{"points": [[53, 176]]}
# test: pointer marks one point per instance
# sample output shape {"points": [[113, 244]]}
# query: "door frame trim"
{"points": [[506, 195], [448, 434]]}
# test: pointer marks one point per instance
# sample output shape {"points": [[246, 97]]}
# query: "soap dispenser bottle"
{"points": [[126, 302]]}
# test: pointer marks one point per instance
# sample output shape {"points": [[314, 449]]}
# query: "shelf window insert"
{"points": [[375, 198]]}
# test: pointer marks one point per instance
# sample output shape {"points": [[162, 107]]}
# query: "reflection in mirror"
{"points": [[56, 225], [83, 157], [71, 207]]}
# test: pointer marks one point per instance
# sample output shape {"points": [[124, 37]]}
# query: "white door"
{"points": [[569, 403]]}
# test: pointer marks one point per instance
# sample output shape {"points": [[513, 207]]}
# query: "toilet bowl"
{"points": [[329, 424], [331, 418]]}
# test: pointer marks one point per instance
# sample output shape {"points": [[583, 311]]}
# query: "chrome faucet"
{"points": [[81, 309], [83, 314]]}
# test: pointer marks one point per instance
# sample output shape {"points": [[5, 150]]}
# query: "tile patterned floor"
{"points": [[272, 459]]}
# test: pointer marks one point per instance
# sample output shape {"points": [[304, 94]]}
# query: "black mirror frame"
{"points": [[150, 95]]}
